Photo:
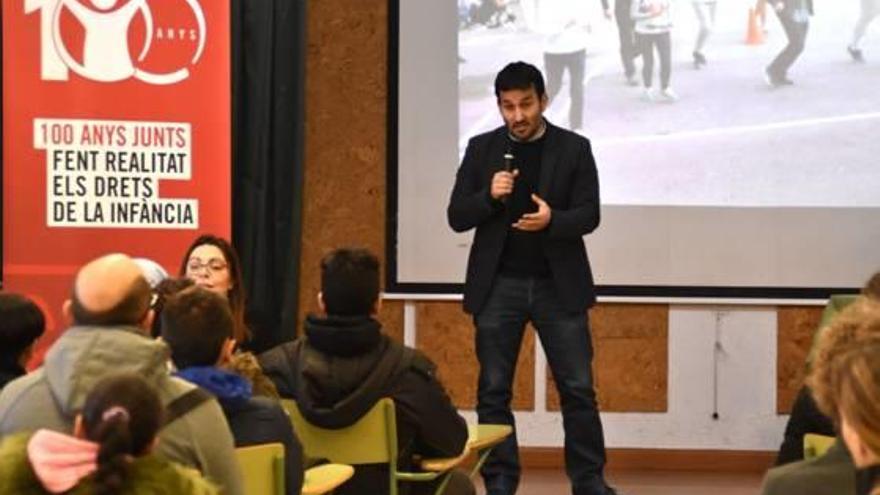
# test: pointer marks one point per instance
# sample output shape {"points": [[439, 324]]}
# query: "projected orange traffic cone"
{"points": [[754, 34]]}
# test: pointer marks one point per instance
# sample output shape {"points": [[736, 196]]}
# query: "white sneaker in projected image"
{"points": [[667, 95], [649, 94]]}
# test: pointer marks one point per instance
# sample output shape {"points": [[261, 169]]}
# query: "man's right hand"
{"points": [[502, 183]]}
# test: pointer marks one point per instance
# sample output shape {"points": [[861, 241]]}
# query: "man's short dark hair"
{"points": [[195, 324], [350, 282], [519, 75], [21, 323], [164, 290], [130, 310]]}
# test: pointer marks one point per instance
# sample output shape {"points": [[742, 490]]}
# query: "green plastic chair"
{"points": [[482, 438], [371, 440], [816, 445], [262, 468]]}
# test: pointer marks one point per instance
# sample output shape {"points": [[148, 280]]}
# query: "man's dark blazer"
{"points": [[568, 182]]}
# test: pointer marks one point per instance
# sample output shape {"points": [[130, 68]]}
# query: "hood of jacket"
{"points": [[343, 366], [83, 355]]}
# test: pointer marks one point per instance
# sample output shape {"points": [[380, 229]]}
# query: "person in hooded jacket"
{"points": [[198, 326], [344, 363]]}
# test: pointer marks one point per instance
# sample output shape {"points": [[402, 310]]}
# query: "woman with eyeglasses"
{"points": [[211, 262]]}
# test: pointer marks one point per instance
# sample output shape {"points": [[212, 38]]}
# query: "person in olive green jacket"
{"points": [[109, 452]]}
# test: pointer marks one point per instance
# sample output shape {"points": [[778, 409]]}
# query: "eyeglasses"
{"points": [[212, 266]]}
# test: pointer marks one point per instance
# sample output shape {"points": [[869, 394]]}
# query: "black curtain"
{"points": [[268, 82]]}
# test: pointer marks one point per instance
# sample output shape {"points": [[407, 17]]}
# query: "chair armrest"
{"points": [[482, 436], [325, 478], [442, 464]]}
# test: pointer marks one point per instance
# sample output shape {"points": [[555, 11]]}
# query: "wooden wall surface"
{"points": [[344, 204]]}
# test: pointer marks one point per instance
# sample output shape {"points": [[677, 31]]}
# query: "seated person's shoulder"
{"points": [[16, 474], [22, 386], [279, 354], [421, 364], [830, 474], [267, 409], [170, 477], [278, 366]]}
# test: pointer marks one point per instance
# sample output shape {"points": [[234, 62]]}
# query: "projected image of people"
{"points": [[769, 108]]}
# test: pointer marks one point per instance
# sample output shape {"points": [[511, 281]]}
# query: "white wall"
{"points": [[738, 374]]}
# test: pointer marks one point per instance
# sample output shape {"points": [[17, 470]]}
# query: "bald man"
{"points": [[110, 315]]}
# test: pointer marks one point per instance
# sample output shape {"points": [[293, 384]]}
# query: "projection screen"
{"points": [[735, 190]]}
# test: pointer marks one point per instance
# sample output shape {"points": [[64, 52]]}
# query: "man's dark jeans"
{"points": [[565, 337]]}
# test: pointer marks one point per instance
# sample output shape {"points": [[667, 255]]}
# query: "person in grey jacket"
{"points": [[110, 309]]}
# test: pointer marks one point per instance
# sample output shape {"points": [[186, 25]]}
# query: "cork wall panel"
{"points": [[446, 334], [630, 365], [344, 190], [391, 317], [795, 328]]}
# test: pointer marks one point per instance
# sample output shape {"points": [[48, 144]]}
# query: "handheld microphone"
{"points": [[508, 167]]}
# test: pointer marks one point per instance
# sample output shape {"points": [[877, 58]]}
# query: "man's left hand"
{"points": [[533, 222]]}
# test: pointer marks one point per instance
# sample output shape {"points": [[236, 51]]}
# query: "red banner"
{"points": [[116, 135]]}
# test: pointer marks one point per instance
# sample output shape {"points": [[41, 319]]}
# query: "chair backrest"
{"points": [[816, 445], [371, 440], [262, 468]]}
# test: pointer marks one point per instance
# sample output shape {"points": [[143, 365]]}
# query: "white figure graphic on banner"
{"points": [[106, 55]]}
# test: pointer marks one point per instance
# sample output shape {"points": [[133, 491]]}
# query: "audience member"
{"points": [[805, 415], [111, 316], [108, 454], [211, 262], [857, 325], [848, 389], [198, 326], [344, 364], [21, 324]]}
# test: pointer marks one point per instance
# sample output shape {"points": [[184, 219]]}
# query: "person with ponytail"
{"points": [[109, 452]]}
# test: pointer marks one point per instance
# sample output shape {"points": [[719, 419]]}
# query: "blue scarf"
{"points": [[231, 389]]}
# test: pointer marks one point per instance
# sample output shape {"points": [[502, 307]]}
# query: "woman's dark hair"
{"points": [[21, 323], [122, 414], [164, 290], [235, 295]]}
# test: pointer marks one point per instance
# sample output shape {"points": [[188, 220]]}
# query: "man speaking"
{"points": [[532, 192]]}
